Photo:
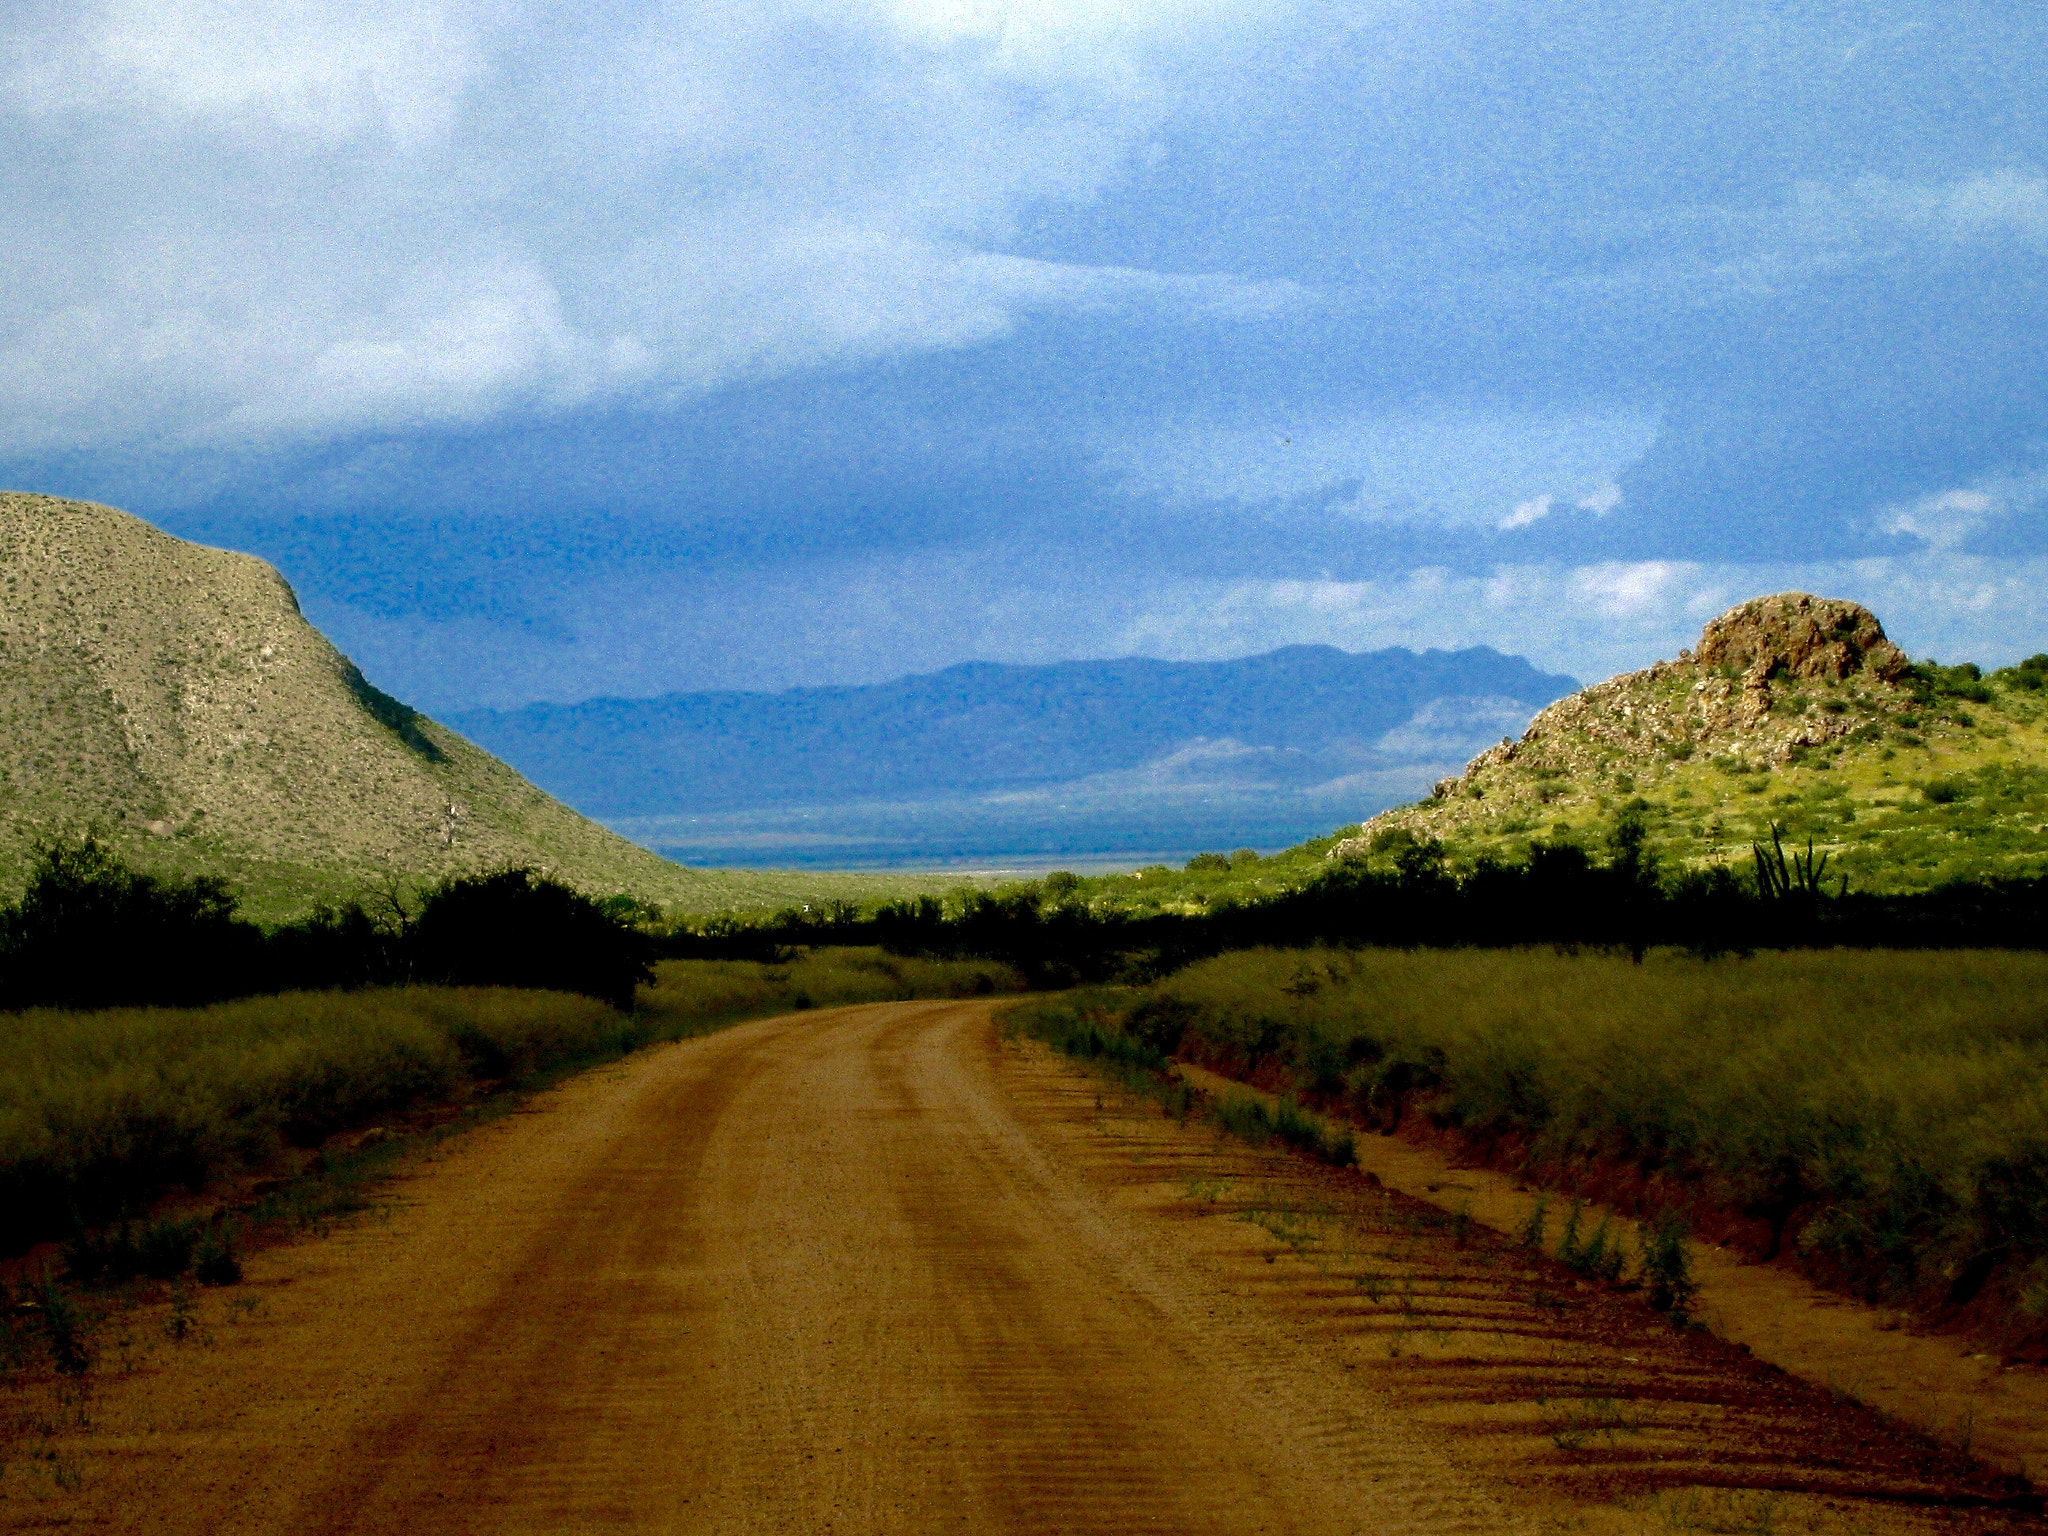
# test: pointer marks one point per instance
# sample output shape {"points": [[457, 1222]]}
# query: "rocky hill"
{"points": [[1793, 710], [173, 699]]}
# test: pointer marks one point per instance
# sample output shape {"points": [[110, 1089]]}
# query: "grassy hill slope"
{"points": [[1794, 710], [172, 698]]}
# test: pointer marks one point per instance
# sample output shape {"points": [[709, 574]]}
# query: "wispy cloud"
{"points": [[1460, 466], [2009, 202]]}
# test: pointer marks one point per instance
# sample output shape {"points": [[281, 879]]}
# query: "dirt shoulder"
{"points": [[1941, 1384], [874, 1269]]}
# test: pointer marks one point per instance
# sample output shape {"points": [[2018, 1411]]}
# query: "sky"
{"points": [[556, 350]]}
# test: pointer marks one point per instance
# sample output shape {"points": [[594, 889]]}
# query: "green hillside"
{"points": [[172, 699], [1793, 710]]}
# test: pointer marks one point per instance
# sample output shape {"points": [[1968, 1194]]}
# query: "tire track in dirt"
{"points": [[811, 1274], [872, 1270], [1551, 1384]]}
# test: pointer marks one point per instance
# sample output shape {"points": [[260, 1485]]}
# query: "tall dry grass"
{"points": [[1884, 1112], [102, 1112]]}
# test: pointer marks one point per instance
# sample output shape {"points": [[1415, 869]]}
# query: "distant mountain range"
{"points": [[995, 762]]}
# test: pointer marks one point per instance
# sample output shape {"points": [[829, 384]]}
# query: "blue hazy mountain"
{"points": [[989, 761]]}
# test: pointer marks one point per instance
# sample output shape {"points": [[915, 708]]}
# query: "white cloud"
{"points": [[1628, 589], [867, 620], [320, 68], [1599, 501], [1449, 465], [1946, 520], [234, 220], [1996, 202], [2011, 202], [1595, 620]]}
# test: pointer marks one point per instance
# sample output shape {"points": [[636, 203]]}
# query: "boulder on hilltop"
{"points": [[1799, 635]]}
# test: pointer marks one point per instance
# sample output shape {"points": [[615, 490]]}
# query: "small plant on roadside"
{"points": [[1294, 1126], [214, 1262], [66, 1327], [1598, 1256], [12, 1345], [1666, 1269], [1242, 1116], [1568, 1239], [1177, 1102], [184, 1319], [158, 1250], [1532, 1229]]}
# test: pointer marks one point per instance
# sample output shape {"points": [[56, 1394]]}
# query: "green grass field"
{"points": [[1885, 1113], [101, 1113]]}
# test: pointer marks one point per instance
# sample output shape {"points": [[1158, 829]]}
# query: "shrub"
{"points": [[159, 1250], [67, 1327], [91, 933], [515, 928], [215, 1263], [1666, 1270]]}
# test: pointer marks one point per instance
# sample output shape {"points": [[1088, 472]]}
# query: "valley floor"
{"points": [[879, 1269]]}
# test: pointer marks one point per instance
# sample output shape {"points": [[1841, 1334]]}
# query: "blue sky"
{"points": [[556, 350]]}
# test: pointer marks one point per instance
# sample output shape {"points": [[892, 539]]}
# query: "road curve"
{"points": [[811, 1274]]}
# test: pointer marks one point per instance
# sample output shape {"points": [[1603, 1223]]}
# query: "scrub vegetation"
{"points": [[102, 1112], [1880, 1117], [1794, 712]]}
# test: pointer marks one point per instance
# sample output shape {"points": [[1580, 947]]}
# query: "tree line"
{"points": [[1617, 897], [91, 932]]}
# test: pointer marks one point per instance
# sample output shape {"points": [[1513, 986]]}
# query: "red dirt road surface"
{"points": [[878, 1270]]}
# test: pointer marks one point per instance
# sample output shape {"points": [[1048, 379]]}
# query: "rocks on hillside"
{"points": [[1744, 692]]}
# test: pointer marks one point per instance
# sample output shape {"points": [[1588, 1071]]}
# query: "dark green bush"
{"points": [[89, 932], [214, 1262], [158, 1250], [1667, 1272], [514, 928]]}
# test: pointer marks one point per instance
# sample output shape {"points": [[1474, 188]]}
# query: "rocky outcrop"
{"points": [[1769, 679], [1798, 635]]}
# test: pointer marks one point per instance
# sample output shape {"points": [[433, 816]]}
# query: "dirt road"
{"points": [[861, 1270]]}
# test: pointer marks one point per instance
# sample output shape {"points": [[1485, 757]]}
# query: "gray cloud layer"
{"points": [[245, 222], [559, 350]]}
